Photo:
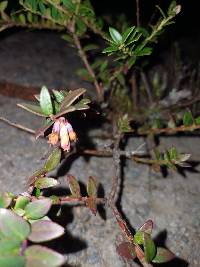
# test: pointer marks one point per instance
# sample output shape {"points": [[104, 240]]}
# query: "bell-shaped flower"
{"points": [[62, 131]]}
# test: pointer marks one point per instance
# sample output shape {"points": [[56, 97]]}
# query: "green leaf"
{"points": [[163, 255], [74, 186], [42, 7], [44, 231], [157, 154], [35, 109], [187, 118], [92, 187], [3, 6], [22, 18], [139, 237], [45, 182], [53, 160], [9, 247], [127, 33], [71, 97], [110, 49], [44, 257], [45, 101], [124, 124], [38, 208], [90, 47], [12, 226], [82, 105], [197, 121], [12, 261], [5, 199], [149, 248], [173, 154], [36, 175], [59, 96], [69, 5], [21, 202], [115, 35]]}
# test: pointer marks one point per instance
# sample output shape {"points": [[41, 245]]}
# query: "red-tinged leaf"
{"points": [[35, 176], [147, 227], [126, 250], [35, 109], [53, 160], [38, 208], [45, 182], [92, 187], [74, 186], [13, 226], [91, 204], [149, 248], [163, 255], [43, 257], [44, 231], [71, 97], [5, 199]]}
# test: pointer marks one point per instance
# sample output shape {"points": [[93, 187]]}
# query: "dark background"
{"points": [[187, 22]]}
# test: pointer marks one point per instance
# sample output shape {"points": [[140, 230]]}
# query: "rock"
{"points": [[36, 58], [171, 202]]}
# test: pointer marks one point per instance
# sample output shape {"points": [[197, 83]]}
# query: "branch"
{"points": [[116, 161], [83, 56], [18, 126]]}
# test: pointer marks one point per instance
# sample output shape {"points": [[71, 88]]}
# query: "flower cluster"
{"points": [[62, 131]]}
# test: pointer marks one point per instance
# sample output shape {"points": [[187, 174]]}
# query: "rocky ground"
{"points": [[171, 202]]}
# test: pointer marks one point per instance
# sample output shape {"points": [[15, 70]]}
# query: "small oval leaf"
{"points": [[35, 109], [147, 227], [13, 226], [126, 250], [38, 208], [92, 187], [44, 231], [21, 202], [45, 182], [163, 255], [45, 101], [74, 186], [115, 35], [149, 248], [71, 97], [44, 257], [53, 160], [12, 261], [9, 246], [5, 199]]}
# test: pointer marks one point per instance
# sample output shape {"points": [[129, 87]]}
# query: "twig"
{"points": [[138, 13], [83, 56], [116, 162], [147, 86], [124, 228], [80, 200], [18, 126]]}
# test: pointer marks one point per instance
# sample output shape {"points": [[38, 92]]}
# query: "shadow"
{"points": [[100, 208], [192, 169], [160, 241]]}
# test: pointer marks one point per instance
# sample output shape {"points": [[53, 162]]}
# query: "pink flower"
{"points": [[63, 131]]}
